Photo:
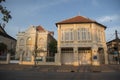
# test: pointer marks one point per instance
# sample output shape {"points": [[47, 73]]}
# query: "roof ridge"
{"points": [[40, 28], [77, 19], [88, 18]]}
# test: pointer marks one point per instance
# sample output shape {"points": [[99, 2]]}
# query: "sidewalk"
{"points": [[63, 68]]}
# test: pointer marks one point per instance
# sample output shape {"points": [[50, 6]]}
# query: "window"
{"points": [[29, 41], [67, 35], [21, 42], [83, 34], [99, 35], [27, 55], [66, 50], [41, 42]]}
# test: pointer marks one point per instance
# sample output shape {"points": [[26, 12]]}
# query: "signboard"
{"points": [[38, 59], [95, 57]]}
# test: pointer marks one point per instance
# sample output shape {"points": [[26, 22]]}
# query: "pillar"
{"points": [[95, 56], [8, 58], [106, 56], [32, 59], [58, 61], [75, 58], [58, 57]]}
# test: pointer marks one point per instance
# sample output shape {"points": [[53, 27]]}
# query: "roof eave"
{"points": [[81, 22]]}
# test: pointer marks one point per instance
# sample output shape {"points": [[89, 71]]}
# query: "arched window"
{"points": [[29, 41], [21, 42], [42, 43], [41, 40]]}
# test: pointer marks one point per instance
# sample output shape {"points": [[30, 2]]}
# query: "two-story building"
{"points": [[81, 41], [33, 45]]}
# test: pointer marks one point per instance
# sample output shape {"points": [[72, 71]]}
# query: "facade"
{"points": [[113, 50], [81, 41], [7, 40], [32, 45]]}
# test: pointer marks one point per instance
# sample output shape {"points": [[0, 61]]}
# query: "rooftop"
{"points": [[78, 19]]}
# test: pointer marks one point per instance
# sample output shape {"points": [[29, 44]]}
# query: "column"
{"points": [[8, 58], [58, 57], [106, 56], [21, 57], [95, 56], [75, 59]]}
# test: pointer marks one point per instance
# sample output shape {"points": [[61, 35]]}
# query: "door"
{"points": [[84, 57], [67, 58]]}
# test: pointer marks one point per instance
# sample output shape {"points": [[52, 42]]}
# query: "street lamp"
{"points": [[117, 42]]}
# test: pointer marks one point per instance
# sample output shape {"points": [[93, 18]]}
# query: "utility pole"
{"points": [[35, 50], [117, 44]]}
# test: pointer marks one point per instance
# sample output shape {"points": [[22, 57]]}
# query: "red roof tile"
{"points": [[40, 28], [78, 19]]}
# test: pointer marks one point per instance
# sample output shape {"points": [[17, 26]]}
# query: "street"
{"points": [[32, 75]]}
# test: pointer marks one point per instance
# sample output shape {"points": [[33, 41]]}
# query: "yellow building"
{"points": [[33, 46], [81, 41]]}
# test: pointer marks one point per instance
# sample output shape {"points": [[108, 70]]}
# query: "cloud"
{"points": [[108, 18]]}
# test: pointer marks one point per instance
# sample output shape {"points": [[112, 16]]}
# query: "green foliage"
{"points": [[2, 0], [52, 47], [5, 13]]}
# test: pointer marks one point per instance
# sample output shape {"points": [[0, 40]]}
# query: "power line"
{"points": [[110, 37]]}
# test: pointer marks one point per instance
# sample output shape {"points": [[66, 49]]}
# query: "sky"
{"points": [[48, 12]]}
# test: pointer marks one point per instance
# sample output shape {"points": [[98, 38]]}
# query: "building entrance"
{"points": [[67, 56], [84, 56]]}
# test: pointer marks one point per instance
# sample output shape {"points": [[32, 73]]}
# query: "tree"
{"points": [[5, 14], [52, 48]]}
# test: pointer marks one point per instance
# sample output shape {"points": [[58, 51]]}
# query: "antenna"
{"points": [[18, 29], [79, 13]]}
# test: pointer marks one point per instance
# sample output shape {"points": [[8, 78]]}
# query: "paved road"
{"points": [[30, 75], [63, 68]]}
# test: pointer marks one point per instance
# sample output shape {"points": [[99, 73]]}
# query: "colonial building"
{"points": [[113, 50], [81, 41], [33, 45], [7, 43]]}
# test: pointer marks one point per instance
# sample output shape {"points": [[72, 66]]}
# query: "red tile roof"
{"points": [[40, 28], [78, 19]]}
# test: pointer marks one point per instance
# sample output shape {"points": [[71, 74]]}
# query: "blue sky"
{"points": [[47, 12]]}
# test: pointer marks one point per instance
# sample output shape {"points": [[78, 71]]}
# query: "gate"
{"points": [[84, 56]]}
